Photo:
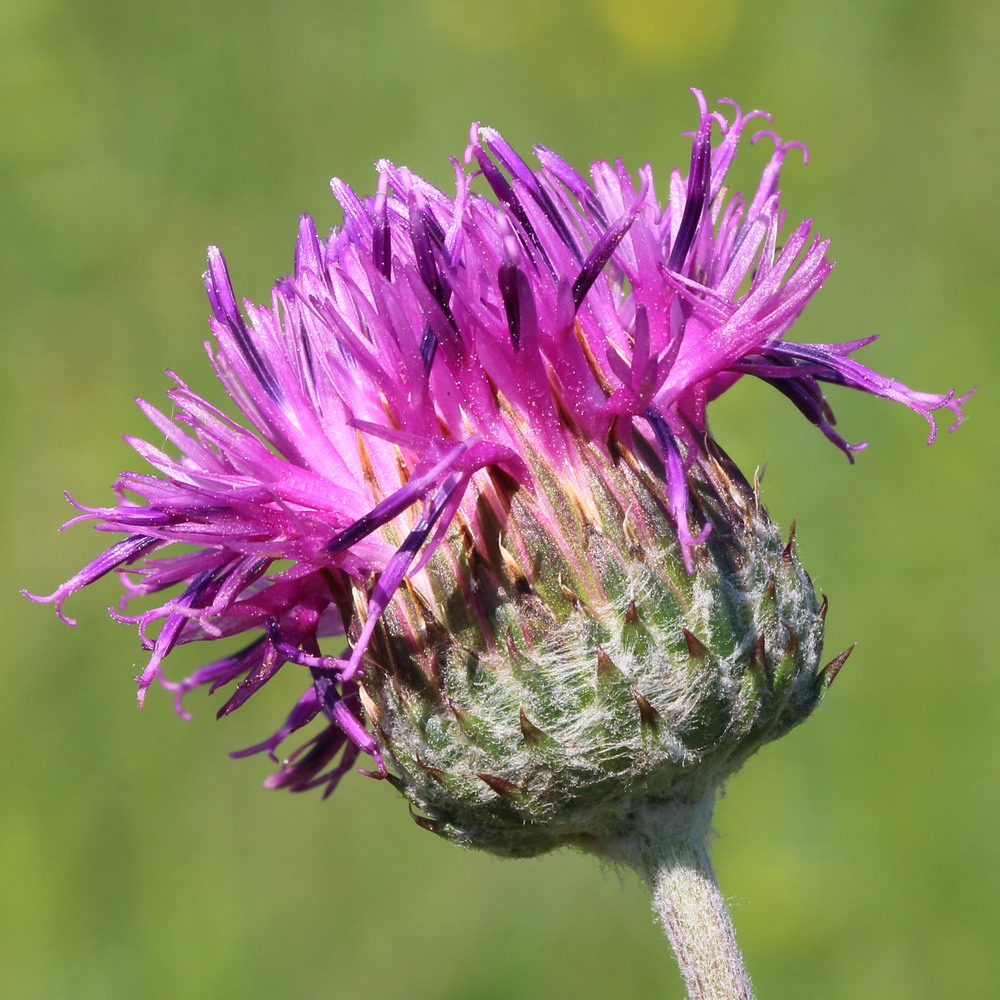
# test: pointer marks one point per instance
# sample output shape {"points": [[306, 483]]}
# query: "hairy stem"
{"points": [[667, 849]]}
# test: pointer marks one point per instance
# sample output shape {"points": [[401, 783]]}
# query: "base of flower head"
{"points": [[582, 707]]}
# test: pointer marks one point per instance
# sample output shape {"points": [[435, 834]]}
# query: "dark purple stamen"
{"points": [[808, 398], [143, 517], [307, 352], [506, 196], [599, 256], [821, 363], [398, 565], [299, 773], [120, 554], [697, 192], [382, 233], [293, 654], [516, 167], [218, 673], [507, 279], [675, 473], [258, 675], [428, 346], [394, 504], [304, 711], [198, 593], [418, 535], [425, 233], [574, 182], [223, 303], [382, 246], [221, 672]]}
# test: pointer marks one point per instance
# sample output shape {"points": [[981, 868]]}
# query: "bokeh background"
{"points": [[860, 854]]}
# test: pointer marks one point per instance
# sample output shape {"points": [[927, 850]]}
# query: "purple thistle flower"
{"points": [[434, 352]]}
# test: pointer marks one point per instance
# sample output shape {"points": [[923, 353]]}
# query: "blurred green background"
{"points": [[860, 854]]}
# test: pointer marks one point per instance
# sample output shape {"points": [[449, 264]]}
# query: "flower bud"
{"points": [[561, 668]]}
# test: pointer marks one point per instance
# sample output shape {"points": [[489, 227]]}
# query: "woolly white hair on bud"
{"points": [[542, 704]]}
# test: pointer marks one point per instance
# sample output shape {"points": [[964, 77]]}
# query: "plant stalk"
{"points": [[667, 849]]}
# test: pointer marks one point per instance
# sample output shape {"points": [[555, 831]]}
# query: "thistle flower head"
{"points": [[472, 497]]}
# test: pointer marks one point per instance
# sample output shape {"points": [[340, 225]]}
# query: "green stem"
{"points": [[667, 849]]}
